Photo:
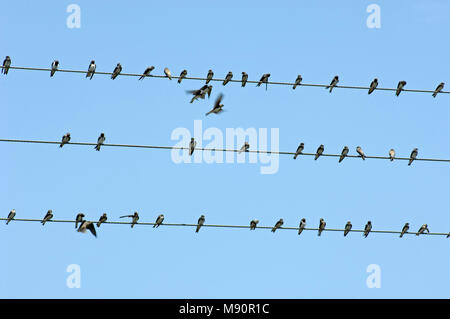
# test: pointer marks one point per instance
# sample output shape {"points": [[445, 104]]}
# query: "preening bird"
{"points": [[65, 139], [116, 71], [299, 150], [78, 219], [147, 72], [422, 229], [47, 217], [55, 65], [101, 139], [253, 224]]}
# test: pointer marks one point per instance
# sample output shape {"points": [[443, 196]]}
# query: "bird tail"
{"points": [[208, 113], [341, 158], [273, 230], [434, 94], [141, 77], [295, 156], [98, 224], [316, 157], [61, 145], [410, 161], [179, 80], [392, 159], [198, 228]]}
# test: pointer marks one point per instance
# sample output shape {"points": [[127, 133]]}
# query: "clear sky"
{"points": [[318, 40]]}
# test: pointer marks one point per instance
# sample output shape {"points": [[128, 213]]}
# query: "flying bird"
{"points": [[209, 76], [200, 223], [228, 78], [400, 86], [55, 65], [182, 75], [65, 139], [278, 225], [392, 154], [322, 225], [244, 78], [297, 81], [404, 230], [343, 154], [360, 152], [102, 219], [299, 150], [244, 148], [413, 156], [78, 219], [264, 79], [253, 224], [91, 70], [217, 108], [347, 229], [116, 71], [11, 216], [147, 72], [47, 217], [135, 218], [200, 93], [167, 73], [6, 65], [438, 89], [208, 90], [100, 141], [85, 225], [192, 145], [319, 151], [333, 83], [368, 228], [301, 226], [159, 221], [422, 229], [373, 85]]}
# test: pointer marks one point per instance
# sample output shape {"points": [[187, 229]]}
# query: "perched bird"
{"points": [[264, 79], [209, 76], [217, 108], [47, 217], [192, 145], [147, 72], [278, 225], [102, 219], [253, 224], [65, 139], [343, 154], [244, 78], [302, 225], [360, 152], [101, 139], [167, 73], [298, 80], [55, 65], [373, 85], [116, 71], [333, 83], [319, 151], [135, 218], [347, 229], [244, 148], [85, 225], [422, 229], [159, 221], [200, 222], [78, 219], [11, 216], [200, 93], [404, 230], [299, 150], [228, 78], [322, 225], [91, 70], [413, 156], [392, 154], [182, 75], [438, 89], [368, 228], [6, 65], [400, 86]]}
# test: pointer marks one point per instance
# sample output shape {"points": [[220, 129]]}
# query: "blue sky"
{"points": [[285, 38]]}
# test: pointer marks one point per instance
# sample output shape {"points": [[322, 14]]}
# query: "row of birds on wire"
{"points": [[85, 225], [246, 147], [263, 80]]}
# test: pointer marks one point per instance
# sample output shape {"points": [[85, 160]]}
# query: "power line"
{"points": [[221, 80], [219, 150], [228, 226]]}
